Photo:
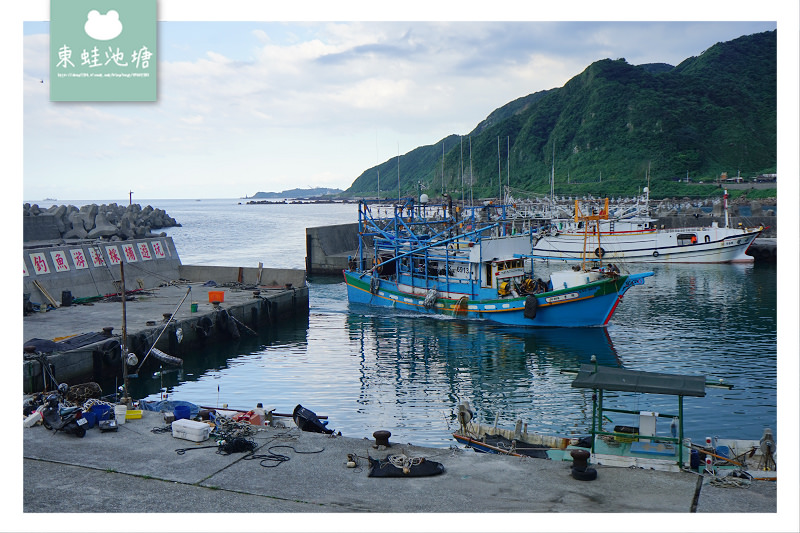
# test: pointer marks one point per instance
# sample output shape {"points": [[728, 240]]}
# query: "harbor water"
{"points": [[368, 369]]}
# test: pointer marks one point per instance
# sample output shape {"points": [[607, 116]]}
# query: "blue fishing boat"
{"points": [[473, 263]]}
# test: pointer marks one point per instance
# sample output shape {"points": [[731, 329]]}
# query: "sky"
{"points": [[257, 105]]}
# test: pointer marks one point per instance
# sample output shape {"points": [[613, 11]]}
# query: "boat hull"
{"points": [[713, 245], [592, 304]]}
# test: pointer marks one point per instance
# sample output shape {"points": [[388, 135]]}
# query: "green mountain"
{"points": [[713, 113]]}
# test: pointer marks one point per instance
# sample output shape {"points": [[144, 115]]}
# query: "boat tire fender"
{"points": [[531, 304], [112, 352], [588, 474], [599, 252], [655, 254], [203, 327]]}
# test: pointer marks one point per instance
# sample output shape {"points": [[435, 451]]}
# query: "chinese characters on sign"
{"points": [[130, 254], [113, 255], [78, 259], [39, 263], [59, 259], [97, 257], [144, 251]]}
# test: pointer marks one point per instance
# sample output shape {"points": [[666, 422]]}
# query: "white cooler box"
{"points": [[190, 430]]}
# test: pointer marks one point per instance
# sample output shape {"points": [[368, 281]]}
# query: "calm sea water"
{"points": [[369, 369]]}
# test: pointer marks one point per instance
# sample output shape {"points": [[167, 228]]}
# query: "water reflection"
{"points": [[505, 372], [370, 369]]}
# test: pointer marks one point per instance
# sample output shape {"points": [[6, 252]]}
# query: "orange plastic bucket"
{"points": [[216, 296]]}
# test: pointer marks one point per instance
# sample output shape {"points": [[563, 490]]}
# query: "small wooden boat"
{"points": [[630, 446]]}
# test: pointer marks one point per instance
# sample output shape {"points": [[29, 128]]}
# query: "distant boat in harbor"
{"points": [[636, 238]]}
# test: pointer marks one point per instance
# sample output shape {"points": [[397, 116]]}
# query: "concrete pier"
{"points": [[146, 316], [74, 288], [134, 470]]}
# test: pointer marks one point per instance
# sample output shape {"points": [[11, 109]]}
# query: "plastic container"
{"points": [[194, 307], [119, 413], [182, 412], [31, 419], [91, 418], [102, 411], [133, 414], [216, 296], [190, 430]]}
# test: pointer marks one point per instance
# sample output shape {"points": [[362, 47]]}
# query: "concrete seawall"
{"points": [[244, 311], [75, 289], [328, 247]]}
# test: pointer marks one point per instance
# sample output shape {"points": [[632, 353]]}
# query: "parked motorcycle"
{"points": [[67, 419]]}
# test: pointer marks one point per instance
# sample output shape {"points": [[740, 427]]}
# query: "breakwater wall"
{"points": [[92, 221], [177, 319], [89, 269], [328, 247]]}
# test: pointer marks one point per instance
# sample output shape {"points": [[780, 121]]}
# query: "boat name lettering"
{"points": [[561, 297]]}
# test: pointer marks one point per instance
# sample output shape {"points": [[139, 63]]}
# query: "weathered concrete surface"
{"points": [[251, 310], [137, 471], [328, 247]]}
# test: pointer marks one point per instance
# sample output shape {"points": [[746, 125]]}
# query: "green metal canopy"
{"points": [[619, 379]]}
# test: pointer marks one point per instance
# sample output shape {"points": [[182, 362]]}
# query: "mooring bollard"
{"points": [[580, 466], [382, 438]]}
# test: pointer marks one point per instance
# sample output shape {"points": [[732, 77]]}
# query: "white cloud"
{"points": [[298, 102]]}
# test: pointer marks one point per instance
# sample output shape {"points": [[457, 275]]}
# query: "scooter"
{"points": [[67, 419]]}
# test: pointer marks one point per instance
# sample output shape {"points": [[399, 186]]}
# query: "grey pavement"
{"points": [[135, 470]]}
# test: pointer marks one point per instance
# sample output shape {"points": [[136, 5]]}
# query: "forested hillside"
{"points": [[710, 114]]}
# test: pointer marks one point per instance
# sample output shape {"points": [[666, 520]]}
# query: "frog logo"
{"points": [[103, 27]]}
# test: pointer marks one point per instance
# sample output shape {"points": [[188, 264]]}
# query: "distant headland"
{"points": [[296, 193]]}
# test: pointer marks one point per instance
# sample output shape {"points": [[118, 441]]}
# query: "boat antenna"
{"points": [[462, 170], [553, 174], [398, 172], [442, 166], [499, 174], [377, 164], [471, 178]]}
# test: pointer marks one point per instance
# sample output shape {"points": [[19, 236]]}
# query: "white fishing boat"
{"points": [[637, 238]]}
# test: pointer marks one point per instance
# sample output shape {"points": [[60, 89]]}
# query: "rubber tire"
{"points": [[589, 474], [531, 304], [203, 327], [112, 352], [599, 252], [655, 254]]}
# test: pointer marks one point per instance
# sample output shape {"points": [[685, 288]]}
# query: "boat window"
{"points": [[686, 239]]}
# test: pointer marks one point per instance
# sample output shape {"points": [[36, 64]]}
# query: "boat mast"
{"points": [[471, 179], [398, 172], [508, 163], [499, 174], [553, 175], [462, 170]]}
